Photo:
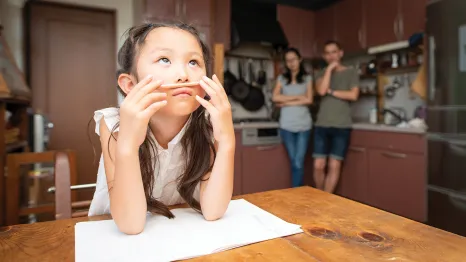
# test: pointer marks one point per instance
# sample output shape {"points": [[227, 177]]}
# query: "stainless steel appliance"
{"points": [[446, 115]]}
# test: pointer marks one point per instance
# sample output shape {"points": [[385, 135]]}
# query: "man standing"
{"points": [[338, 86]]}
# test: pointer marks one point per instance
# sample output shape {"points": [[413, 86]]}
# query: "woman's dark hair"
{"points": [[301, 72], [197, 140]]}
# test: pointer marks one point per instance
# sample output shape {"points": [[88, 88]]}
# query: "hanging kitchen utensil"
{"points": [[262, 77], [256, 99], [240, 90], [391, 90], [229, 79]]}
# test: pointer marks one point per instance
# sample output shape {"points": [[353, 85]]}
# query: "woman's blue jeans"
{"points": [[296, 144]]}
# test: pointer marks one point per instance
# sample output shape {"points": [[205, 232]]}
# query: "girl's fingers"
{"points": [[138, 86], [218, 88], [146, 89], [152, 109], [221, 90], [210, 91], [150, 99], [208, 106]]}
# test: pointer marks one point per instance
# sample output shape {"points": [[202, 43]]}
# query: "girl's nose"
{"points": [[182, 75]]}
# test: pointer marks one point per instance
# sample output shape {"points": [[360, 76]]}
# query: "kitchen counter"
{"points": [[352, 231], [265, 124], [387, 128]]}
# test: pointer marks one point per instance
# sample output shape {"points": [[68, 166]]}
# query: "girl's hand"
{"points": [[136, 110], [219, 109]]}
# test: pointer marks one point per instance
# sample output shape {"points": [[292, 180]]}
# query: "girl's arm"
{"points": [[126, 192], [278, 97], [217, 186]]}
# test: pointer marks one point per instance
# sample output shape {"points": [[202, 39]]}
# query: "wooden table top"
{"points": [[335, 229]]}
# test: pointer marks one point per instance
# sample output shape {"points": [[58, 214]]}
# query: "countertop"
{"points": [[356, 126], [387, 128], [335, 229]]}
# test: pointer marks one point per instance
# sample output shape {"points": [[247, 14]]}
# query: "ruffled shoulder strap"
{"points": [[111, 116]]}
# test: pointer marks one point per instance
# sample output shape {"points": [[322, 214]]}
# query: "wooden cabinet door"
{"points": [[325, 29], [354, 175], [265, 168], [397, 183], [412, 17], [159, 10], [348, 25], [197, 12], [222, 23], [308, 48], [381, 22], [290, 20]]}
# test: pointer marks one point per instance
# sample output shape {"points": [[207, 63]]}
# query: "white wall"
{"points": [[12, 21]]}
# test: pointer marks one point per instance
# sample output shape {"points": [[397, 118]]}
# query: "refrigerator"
{"points": [[446, 114]]}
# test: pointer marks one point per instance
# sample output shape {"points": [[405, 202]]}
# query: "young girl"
{"points": [[161, 147], [293, 93]]}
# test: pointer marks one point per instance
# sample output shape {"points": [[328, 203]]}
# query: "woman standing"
{"points": [[293, 94]]}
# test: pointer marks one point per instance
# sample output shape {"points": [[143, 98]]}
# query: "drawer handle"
{"points": [[264, 148], [394, 155], [357, 149]]}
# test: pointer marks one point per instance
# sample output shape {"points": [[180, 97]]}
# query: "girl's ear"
{"points": [[125, 81]]}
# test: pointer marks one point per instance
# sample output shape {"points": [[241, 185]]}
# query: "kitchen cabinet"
{"points": [[265, 168], [325, 19], [199, 11], [349, 25], [397, 183], [160, 10], [412, 17], [381, 22], [222, 23], [387, 170], [354, 175], [298, 26]]}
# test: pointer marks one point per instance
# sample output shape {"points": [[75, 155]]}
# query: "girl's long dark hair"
{"points": [[302, 71], [197, 143]]}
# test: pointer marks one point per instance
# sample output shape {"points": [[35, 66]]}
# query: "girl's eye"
{"points": [[193, 62], [163, 60]]}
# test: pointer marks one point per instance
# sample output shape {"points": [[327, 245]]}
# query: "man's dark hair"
{"points": [[333, 42]]}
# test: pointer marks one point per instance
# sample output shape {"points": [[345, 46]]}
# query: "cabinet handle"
{"points": [[177, 8], [360, 37], [358, 149], [394, 155], [401, 26], [395, 27], [265, 148]]}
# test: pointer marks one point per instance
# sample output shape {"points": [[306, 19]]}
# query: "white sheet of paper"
{"points": [[188, 235]]}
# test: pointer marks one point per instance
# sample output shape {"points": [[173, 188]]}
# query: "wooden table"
{"points": [[336, 229]]}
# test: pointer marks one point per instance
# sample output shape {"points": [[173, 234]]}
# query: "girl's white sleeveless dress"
{"points": [[169, 166]]}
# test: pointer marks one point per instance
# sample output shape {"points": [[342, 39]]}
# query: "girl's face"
{"points": [[173, 56], [292, 61]]}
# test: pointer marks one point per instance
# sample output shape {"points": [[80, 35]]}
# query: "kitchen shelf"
{"points": [[400, 70], [11, 147], [362, 77]]}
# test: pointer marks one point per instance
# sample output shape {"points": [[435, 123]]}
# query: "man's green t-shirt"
{"points": [[335, 112]]}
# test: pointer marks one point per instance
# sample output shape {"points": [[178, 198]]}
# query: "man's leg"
{"points": [[289, 139], [340, 141], [302, 143], [320, 156]]}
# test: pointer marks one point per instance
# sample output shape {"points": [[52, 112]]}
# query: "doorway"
{"points": [[71, 65]]}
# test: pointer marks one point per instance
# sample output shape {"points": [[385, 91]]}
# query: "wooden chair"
{"points": [[63, 189], [13, 183]]}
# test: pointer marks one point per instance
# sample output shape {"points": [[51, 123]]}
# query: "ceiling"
{"points": [[305, 4]]}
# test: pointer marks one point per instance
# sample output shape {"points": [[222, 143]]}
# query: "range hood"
{"points": [[256, 24]]}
